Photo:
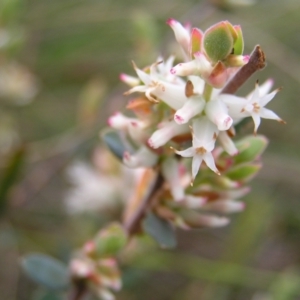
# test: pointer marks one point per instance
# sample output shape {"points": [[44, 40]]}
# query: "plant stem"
{"points": [[207, 92], [255, 63]]}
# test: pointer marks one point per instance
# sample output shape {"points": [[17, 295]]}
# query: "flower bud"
{"points": [[143, 158], [217, 112], [181, 34]]}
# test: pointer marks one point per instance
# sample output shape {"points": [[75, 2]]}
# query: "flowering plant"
{"points": [[187, 110]]}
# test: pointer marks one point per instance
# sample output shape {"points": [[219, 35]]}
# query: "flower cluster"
{"points": [[182, 112], [95, 265]]}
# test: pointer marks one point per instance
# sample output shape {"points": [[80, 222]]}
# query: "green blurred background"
{"points": [[74, 51]]}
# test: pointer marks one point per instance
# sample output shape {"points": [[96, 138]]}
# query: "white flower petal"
{"points": [[234, 104], [268, 114], [210, 162], [204, 132], [145, 78], [267, 98], [227, 143], [256, 120], [189, 152], [197, 160]]}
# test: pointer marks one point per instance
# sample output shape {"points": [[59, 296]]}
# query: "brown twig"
{"points": [[256, 62], [78, 291]]}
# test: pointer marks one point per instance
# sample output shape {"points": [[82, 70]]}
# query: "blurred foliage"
{"points": [[75, 50]]}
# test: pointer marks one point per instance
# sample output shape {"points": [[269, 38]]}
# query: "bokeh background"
{"points": [[59, 66]]}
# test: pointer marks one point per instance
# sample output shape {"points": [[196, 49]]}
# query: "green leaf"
{"points": [[218, 41], [10, 175], [250, 148], [239, 43], [115, 143], [243, 172], [161, 230], [111, 240], [46, 271]]}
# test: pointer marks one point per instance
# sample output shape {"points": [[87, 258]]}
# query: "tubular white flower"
{"points": [[235, 193], [225, 206], [217, 112], [204, 136], [143, 158], [167, 131], [120, 121], [129, 80], [138, 131], [170, 171], [212, 221], [199, 66], [194, 202], [81, 268], [136, 128], [186, 69], [182, 35], [192, 107], [173, 95], [227, 143]]}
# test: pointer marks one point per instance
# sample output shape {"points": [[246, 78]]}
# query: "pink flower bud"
{"points": [[181, 34]]}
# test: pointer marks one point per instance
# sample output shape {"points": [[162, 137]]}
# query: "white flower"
{"points": [[192, 107], [165, 133], [136, 128], [204, 137], [182, 35], [156, 89], [253, 105], [95, 190], [217, 112], [199, 66], [129, 80], [91, 191], [143, 158]]}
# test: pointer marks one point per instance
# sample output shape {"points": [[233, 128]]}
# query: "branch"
{"points": [[78, 291], [256, 62]]}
